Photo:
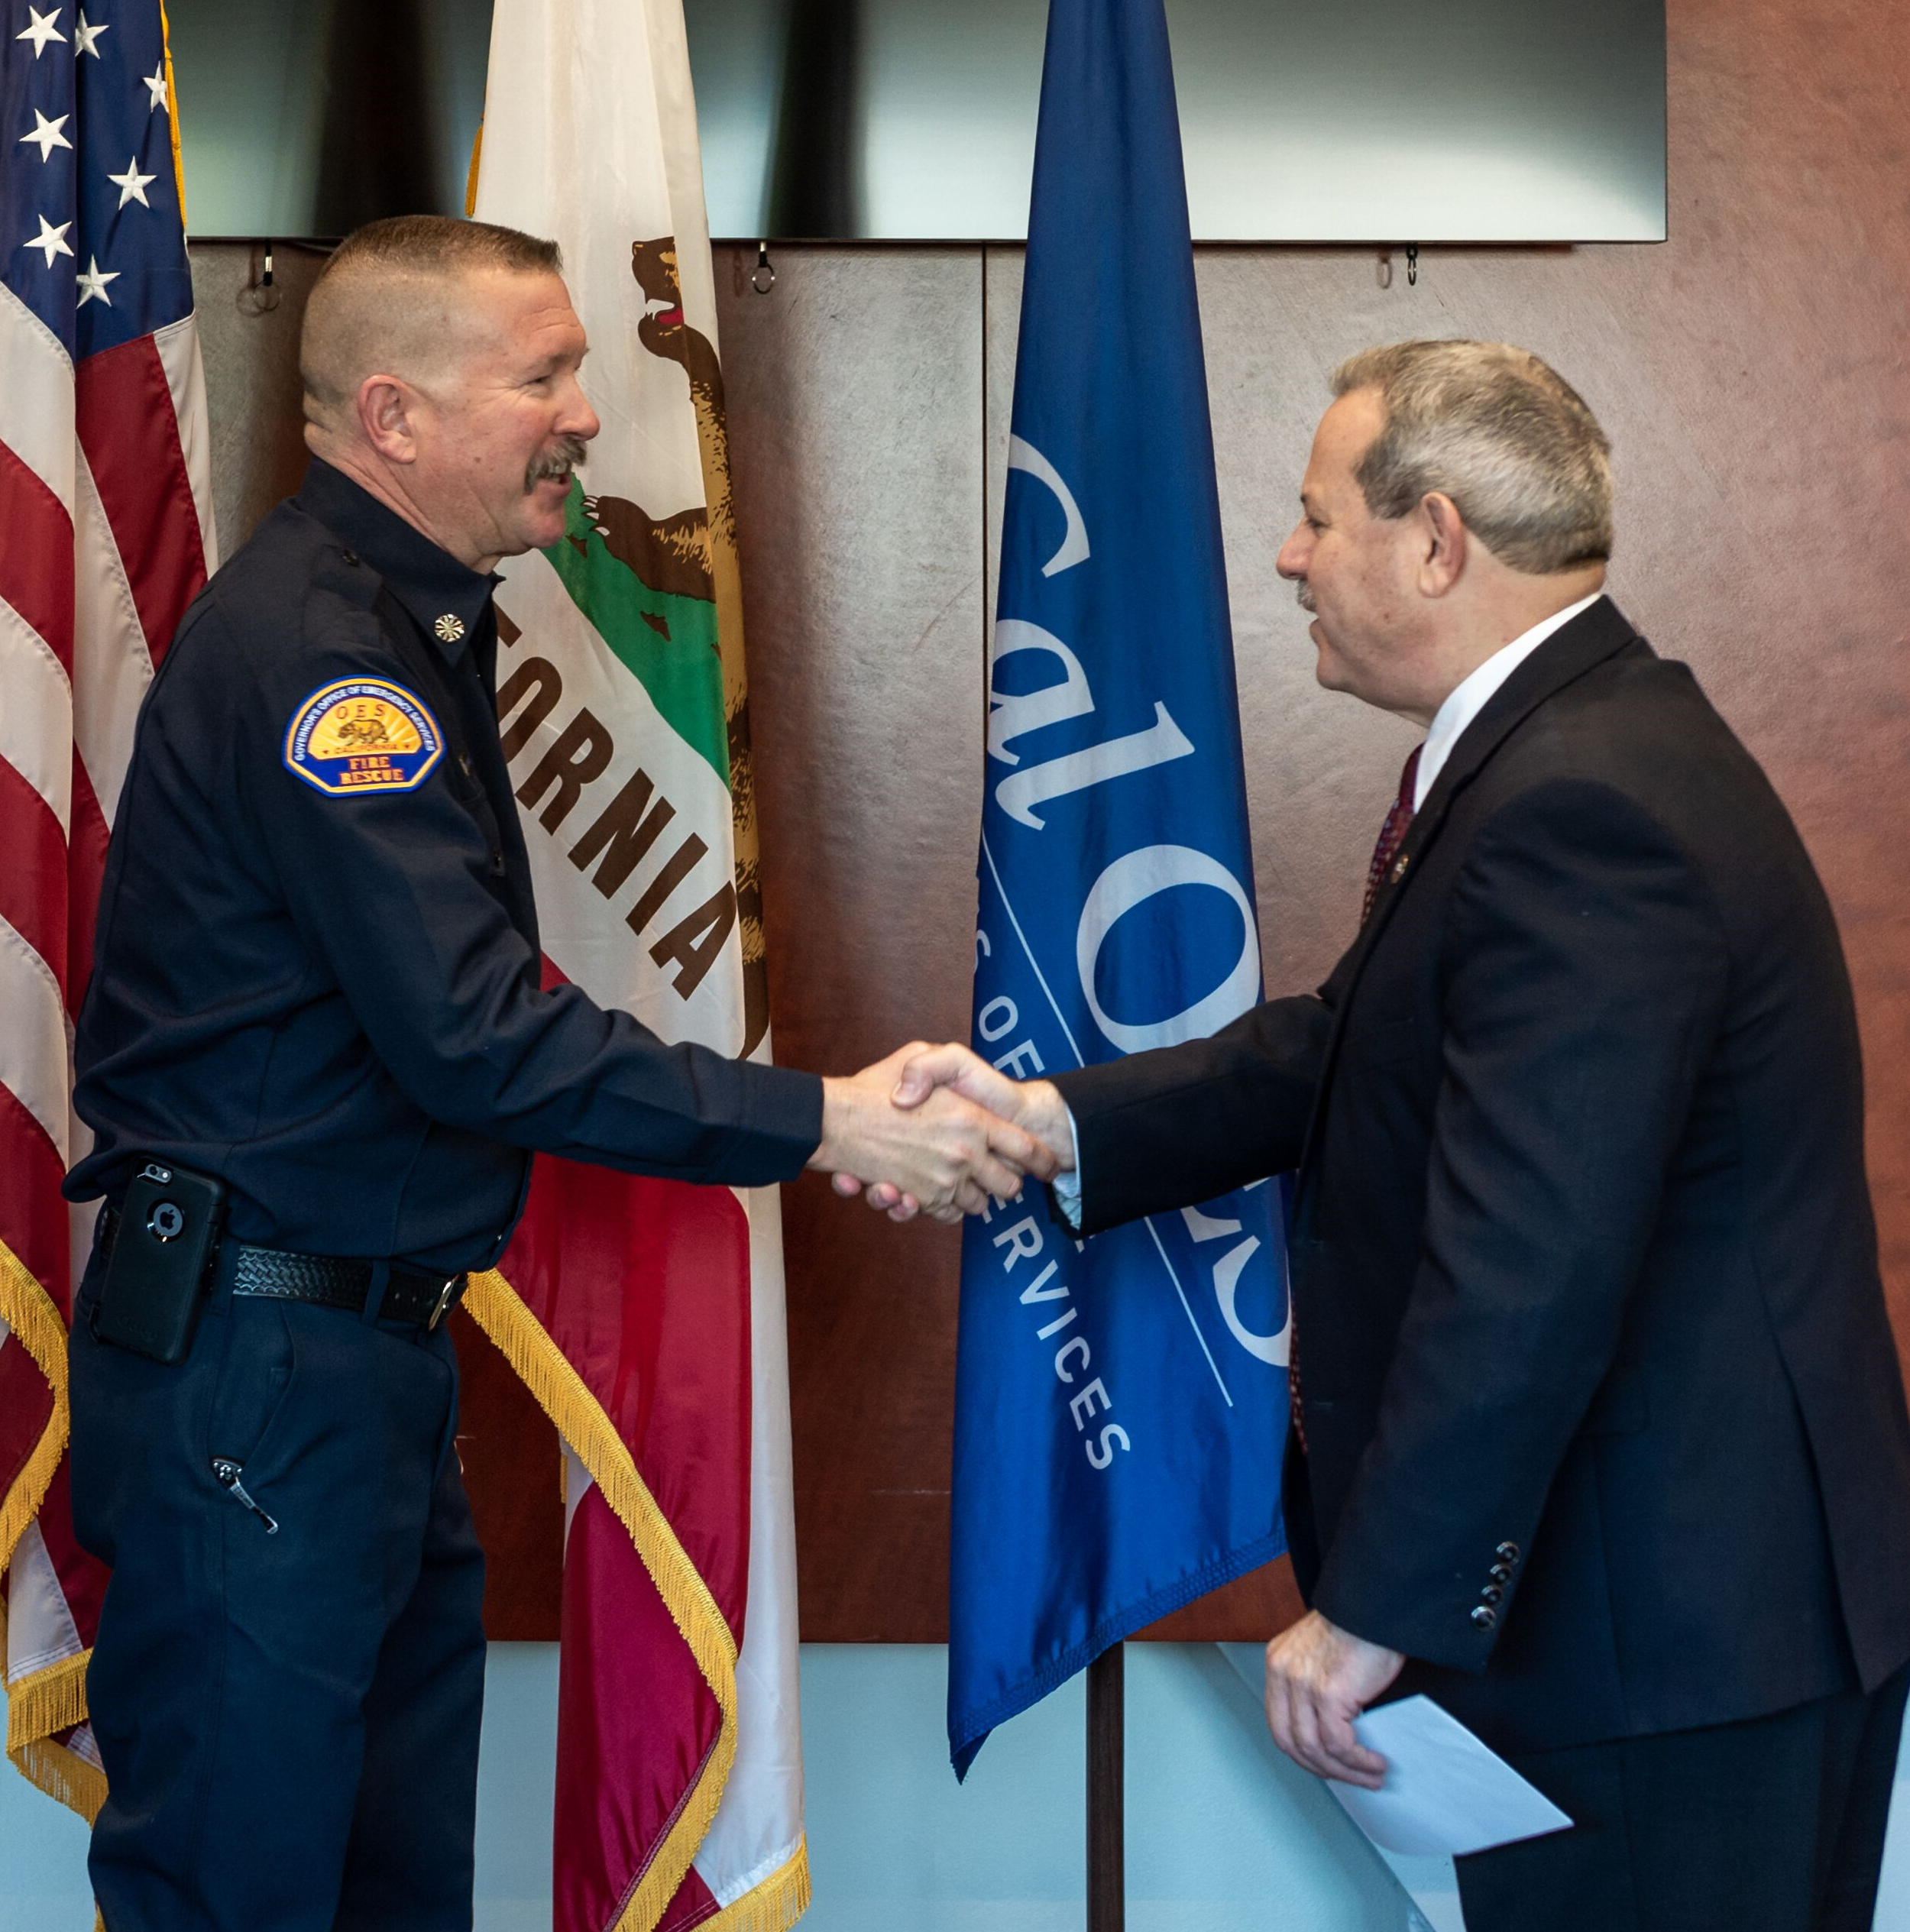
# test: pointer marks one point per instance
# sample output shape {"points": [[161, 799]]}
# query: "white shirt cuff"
{"points": [[1067, 1187]]}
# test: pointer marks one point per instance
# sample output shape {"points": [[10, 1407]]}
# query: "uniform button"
{"points": [[1485, 1619], [496, 865], [1501, 1573], [1492, 1594], [1507, 1552], [350, 556]]}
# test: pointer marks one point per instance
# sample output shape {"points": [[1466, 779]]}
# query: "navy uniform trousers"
{"points": [[289, 1717]]}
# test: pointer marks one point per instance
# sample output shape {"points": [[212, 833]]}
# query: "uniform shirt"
{"points": [[316, 973]]}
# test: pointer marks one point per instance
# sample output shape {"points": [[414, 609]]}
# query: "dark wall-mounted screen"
{"points": [[1323, 121]]}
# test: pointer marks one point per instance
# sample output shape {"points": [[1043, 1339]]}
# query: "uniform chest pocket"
{"points": [[467, 788]]}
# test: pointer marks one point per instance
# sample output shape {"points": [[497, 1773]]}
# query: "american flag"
{"points": [[106, 536]]}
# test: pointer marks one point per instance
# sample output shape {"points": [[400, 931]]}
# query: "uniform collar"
{"points": [[448, 600]]}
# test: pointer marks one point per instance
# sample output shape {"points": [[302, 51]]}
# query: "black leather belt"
{"points": [[332, 1280]]}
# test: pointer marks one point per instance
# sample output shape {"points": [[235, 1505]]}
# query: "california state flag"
{"points": [[647, 1316]]}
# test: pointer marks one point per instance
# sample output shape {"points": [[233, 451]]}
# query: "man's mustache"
{"points": [[1304, 596], [556, 464]]}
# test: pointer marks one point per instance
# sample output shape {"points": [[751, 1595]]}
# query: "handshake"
{"points": [[938, 1131]]}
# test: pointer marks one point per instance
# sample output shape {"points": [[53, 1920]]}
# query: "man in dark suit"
{"points": [[1600, 1438]]}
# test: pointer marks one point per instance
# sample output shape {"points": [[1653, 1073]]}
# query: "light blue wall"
{"points": [[1222, 1832]]}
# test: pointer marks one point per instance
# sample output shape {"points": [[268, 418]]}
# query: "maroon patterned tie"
{"points": [[1392, 833], [1392, 836]]}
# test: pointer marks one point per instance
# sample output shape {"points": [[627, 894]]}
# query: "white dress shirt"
{"points": [[1468, 698], [1464, 703]]}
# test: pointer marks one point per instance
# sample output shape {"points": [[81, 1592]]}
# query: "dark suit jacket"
{"points": [[1605, 1427]]}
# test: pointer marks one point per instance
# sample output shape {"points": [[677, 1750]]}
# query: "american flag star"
{"points": [[40, 31], [132, 185]]}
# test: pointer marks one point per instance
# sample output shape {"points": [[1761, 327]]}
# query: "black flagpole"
{"points": [[1107, 1858]]}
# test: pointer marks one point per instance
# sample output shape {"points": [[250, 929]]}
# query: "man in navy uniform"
{"points": [[326, 996], [1599, 1436]]}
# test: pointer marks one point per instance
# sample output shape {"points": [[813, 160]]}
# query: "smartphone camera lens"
{"points": [[167, 1221]]}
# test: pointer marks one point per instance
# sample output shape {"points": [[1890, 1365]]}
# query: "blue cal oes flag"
{"points": [[1121, 1405]]}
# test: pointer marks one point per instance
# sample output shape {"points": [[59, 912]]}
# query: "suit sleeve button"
{"points": [[1507, 1552], [1492, 1594], [1484, 1618], [1501, 1573]]}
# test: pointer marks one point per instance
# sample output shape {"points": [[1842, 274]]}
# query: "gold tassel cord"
{"points": [[172, 113], [471, 175], [580, 1419]]}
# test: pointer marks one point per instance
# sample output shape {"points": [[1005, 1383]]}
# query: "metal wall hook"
{"points": [[259, 297], [762, 277], [1412, 265]]}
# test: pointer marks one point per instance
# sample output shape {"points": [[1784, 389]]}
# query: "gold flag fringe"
{"points": [[541, 1366], [773, 1906], [54, 1699], [29, 1312]]}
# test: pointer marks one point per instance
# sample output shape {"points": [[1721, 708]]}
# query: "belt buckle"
{"points": [[442, 1307]]}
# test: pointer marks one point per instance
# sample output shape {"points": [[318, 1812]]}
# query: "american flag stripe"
{"points": [[178, 348], [112, 662], [36, 578], [55, 1636], [86, 867], [129, 433], [36, 399], [32, 1043], [35, 722], [33, 883], [31, 1212]]}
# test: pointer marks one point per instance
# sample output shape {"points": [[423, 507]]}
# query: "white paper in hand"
{"points": [[1446, 1793]]}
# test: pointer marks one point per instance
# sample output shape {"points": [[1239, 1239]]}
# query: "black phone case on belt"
{"points": [[163, 1250]]}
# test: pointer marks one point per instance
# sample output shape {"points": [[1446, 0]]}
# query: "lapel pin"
{"points": [[450, 627]]}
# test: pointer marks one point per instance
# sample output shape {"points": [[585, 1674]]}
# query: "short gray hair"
{"points": [[1506, 436], [370, 303]]}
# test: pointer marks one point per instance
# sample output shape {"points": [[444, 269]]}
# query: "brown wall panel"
{"points": [[854, 420], [1751, 373], [249, 336]]}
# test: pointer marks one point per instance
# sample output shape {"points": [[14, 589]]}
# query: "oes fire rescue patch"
{"points": [[362, 734]]}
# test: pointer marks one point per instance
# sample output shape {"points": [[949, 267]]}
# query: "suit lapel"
{"points": [[1588, 640]]}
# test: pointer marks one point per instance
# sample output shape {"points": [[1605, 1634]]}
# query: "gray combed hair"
{"points": [[1503, 434]]}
